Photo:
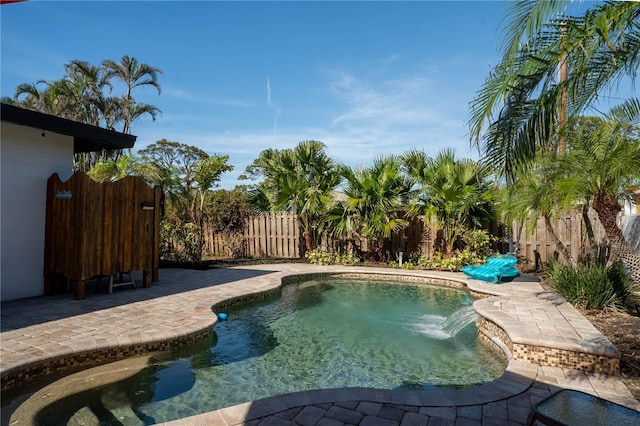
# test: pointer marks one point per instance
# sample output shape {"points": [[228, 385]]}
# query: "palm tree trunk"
{"points": [[607, 210], [593, 247], [306, 235], [308, 238], [426, 240], [561, 247]]}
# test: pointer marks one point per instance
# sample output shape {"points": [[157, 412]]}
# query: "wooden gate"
{"points": [[94, 229]]}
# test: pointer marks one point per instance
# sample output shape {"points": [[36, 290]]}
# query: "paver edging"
{"points": [[569, 354], [515, 380], [73, 360]]}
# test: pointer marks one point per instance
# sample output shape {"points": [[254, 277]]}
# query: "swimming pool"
{"points": [[322, 333]]}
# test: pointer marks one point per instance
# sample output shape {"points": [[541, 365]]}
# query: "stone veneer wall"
{"points": [[550, 356], [376, 276], [486, 340], [82, 360]]}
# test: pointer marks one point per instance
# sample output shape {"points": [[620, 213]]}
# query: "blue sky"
{"points": [[365, 78]]}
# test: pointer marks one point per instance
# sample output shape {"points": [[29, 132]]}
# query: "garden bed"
{"points": [[623, 330]]}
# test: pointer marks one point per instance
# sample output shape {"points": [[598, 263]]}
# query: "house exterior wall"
{"points": [[26, 162], [631, 230], [631, 206]]}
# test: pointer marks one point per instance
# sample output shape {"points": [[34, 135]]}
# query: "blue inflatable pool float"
{"points": [[497, 269], [222, 316]]}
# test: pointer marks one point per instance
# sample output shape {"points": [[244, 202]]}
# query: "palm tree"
{"points": [[604, 167], [577, 131], [133, 74], [54, 97], [300, 181], [521, 107], [74, 96], [29, 96], [375, 199], [107, 170], [81, 95], [533, 195], [455, 193], [85, 85]]}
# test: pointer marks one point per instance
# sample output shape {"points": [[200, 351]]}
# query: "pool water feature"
{"points": [[323, 333]]}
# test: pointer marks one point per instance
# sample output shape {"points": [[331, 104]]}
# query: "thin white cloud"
{"points": [[204, 98], [269, 92], [277, 111], [409, 101], [276, 115], [372, 116], [353, 146], [396, 115]]}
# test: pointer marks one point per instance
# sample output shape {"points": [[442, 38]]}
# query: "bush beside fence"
{"points": [[278, 235]]}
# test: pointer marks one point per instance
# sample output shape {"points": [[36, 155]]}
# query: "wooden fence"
{"points": [[95, 229], [278, 235], [415, 240], [268, 235], [539, 247]]}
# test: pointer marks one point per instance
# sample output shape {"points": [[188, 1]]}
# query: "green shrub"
{"points": [[477, 247], [234, 244], [319, 257], [622, 282], [180, 242], [346, 259], [405, 265], [591, 287], [478, 241], [454, 263]]}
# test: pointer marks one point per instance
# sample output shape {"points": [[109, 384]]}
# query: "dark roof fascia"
{"points": [[86, 138]]}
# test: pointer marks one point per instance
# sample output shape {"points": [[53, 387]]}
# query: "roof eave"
{"points": [[86, 138]]}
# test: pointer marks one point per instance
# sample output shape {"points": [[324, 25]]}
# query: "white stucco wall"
{"points": [[26, 162], [631, 230], [628, 207]]}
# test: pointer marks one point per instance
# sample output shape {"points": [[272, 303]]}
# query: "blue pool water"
{"points": [[318, 334]]}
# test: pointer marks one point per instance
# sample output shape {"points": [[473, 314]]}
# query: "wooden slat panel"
{"points": [[285, 238], [251, 249], [293, 237], [281, 247], [262, 236], [570, 230], [575, 235], [100, 228], [279, 236], [271, 231]]}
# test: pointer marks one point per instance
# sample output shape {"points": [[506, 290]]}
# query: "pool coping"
{"points": [[516, 379], [518, 376]]}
